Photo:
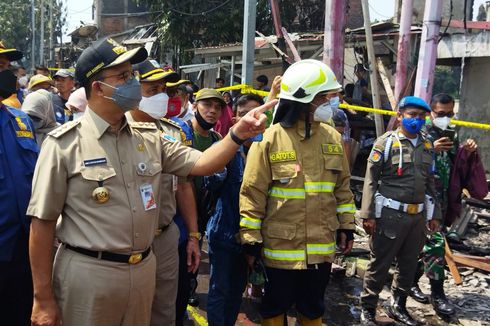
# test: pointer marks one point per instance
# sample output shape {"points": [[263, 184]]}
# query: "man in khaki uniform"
{"points": [[295, 196], [174, 192], [103, 175], [398, 198]]}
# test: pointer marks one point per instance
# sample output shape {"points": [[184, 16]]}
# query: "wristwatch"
{"points": [[236, 139], [196, 235]]}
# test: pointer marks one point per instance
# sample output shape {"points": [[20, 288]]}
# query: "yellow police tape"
{"points": [[246, 89], [387, 112], [200, 320]]}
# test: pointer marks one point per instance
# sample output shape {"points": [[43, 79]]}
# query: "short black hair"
{"points": [[88, 84], [43, 68], [219, 79], [263, 79], [359, 67], [244, 99], [442, 98]]}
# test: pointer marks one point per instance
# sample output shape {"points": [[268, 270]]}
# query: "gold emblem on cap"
{"points": [[101, 195]]}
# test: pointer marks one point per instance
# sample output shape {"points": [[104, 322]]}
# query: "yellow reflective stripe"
{"points": [[320, 248], [346, 208], [284, 254], [251, 223], [319, 186], [293, 193], [319, 80]]}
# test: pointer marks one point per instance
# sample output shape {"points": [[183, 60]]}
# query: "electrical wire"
{"points": [[449, 22], [135, 14]]}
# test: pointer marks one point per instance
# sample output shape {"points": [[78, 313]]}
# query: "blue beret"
{"points": [[413, 101]]}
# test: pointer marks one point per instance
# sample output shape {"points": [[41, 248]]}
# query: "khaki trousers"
{"points": [[93, 292], [399, 236], [165, 248]]}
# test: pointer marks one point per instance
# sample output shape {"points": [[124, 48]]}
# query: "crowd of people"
{"points": [[112, 174]]}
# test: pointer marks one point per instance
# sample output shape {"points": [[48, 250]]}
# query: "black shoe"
{"points": [[441, 304], [397, 310], [417, 294], [368, 317]]}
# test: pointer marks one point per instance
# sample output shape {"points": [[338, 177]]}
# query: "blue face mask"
{"points": [[413, 125], [127, 96], [334, 102]]}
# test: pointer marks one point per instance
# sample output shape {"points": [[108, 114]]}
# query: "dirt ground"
{"points": [[342, 296]]}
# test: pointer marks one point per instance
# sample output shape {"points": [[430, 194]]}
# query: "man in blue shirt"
{"points": [[18, 154]]}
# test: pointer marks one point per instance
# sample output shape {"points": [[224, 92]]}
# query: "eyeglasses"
{"points": [[125, 76], [443, 114]]}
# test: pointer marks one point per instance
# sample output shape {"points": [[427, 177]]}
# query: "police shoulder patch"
{"points": [[332, 149], [168, 137], [171, 123], [375, 156], [282, 156], [63, 129]]}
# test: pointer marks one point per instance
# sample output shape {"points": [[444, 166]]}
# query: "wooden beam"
{"points": [[385, 78], [452, 265], [469, 24], [475, 263]]}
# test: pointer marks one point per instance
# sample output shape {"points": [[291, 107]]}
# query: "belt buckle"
{"points": [[412, 209], [135, 258]]}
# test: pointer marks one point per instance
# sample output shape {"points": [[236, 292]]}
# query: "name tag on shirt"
{"points": [[148, 197], [95, 161]]}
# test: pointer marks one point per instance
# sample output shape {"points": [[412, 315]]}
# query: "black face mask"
{"points": [[7, 83], [203, 123]]}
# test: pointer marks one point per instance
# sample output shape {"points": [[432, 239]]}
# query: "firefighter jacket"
{"points": [[400, 171], [295, 195]]}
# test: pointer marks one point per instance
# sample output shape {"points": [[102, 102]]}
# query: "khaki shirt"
{"points": [[83, 155], [169, 182], [295, 195], [415, 181]]}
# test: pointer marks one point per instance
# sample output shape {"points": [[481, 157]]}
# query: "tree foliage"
{"points": [[185, 24], [446, 80], [15, 19]]}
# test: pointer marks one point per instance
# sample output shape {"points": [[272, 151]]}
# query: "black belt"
{"points": [[104, 255]]}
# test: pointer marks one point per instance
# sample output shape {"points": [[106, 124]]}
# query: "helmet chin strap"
{"points": [[307, 122]]}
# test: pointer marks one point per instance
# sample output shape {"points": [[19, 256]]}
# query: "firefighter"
{"points": [[295, 196]]}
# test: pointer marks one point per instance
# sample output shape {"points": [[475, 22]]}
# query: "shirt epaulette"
{"points": [[142, 125], [171, 123], [63, 129]]}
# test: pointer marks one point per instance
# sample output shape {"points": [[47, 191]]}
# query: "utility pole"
{"points": [[248, 53], [41, 45], [428, 49], [33, 41], [51, 47], [333, 40], [403, 47], [373, 72], [281, 43]]}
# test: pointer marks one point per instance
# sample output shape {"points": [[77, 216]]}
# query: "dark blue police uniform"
{"points": [[18, 155]]}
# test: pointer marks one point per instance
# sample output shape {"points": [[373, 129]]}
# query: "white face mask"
{"points": [[155, 106], [441, 123], [323, 112]]}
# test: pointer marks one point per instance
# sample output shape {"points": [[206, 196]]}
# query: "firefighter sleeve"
{"points": [[373, 173], [254, 192], [345, 200]]}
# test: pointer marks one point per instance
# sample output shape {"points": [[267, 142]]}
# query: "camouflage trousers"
{"points": [[431, 261]]}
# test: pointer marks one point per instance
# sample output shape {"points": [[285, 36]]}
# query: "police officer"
{"points": [[18, 154], [102, 174], [295, 196], [153, 108], [398, 199]]}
